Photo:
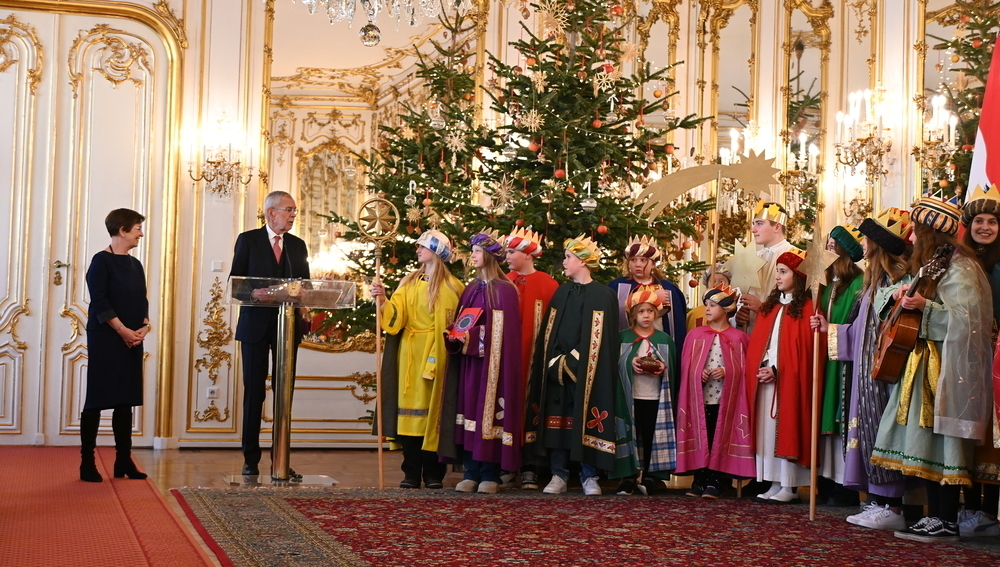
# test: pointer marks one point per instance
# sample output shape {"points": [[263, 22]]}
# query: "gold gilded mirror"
{"points": [[956, 51], [807, 58], [729, 27]]}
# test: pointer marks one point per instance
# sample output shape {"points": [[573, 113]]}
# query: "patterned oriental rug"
{"points": [[364, 527]]}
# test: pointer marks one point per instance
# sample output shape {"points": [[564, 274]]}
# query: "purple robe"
{"points": [[731, 450], [857, 341], [487, 414]]}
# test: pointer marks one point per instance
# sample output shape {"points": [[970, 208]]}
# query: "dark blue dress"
{"points": [[117, 285]]}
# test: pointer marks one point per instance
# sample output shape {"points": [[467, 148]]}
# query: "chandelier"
{"points": [[410, 11]]}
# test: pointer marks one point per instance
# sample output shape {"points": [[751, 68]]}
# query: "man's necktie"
{"points": [[277, 249]]}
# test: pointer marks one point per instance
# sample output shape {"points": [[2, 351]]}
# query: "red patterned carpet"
{"points": [[424, 528], [49, 517]]}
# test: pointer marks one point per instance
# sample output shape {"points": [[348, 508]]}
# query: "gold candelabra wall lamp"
{"points": [[221, 167]]}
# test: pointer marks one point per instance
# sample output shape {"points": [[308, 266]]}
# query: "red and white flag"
{"points": [[986, 157]]}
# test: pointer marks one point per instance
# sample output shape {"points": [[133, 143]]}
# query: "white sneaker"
{"points": [[466, 486], [591, 487], [883, 519], [555, 486], [787, 495], [976, 524], [868, 510], [488, 487]]}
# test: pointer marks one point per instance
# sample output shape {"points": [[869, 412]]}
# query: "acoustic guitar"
{"points": [[898, 334]]}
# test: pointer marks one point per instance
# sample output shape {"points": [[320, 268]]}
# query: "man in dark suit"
{"points": [[266, 252]]}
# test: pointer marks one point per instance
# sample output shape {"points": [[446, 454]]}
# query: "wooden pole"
{"points": [[378, 372], [817, 382]]}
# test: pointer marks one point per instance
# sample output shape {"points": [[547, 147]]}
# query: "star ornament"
{"points": [[818, 259], [378, 218], [755, 172], [745, 265]]}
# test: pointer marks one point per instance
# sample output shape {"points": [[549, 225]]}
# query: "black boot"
{"points": [[121, 424], [90, 420]]}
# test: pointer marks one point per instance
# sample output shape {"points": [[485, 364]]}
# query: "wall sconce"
{"points": [[934, 154], [221, 166], [861, 139]]}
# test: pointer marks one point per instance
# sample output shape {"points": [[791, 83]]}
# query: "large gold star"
{"points": [[818, 259], [745, 265], [755, 172]]}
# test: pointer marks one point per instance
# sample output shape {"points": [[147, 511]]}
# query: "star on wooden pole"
{"points": [[745, 265], [818, 259]]}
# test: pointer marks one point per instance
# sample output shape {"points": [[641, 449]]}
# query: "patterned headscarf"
{"points": [[438, 243], [585, 249], [524, 240], [940, 215], [642, 246], [489, 240], [724, 295], [643, 296]]}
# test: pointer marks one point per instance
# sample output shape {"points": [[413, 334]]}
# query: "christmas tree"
{"points": [[575, 142], [567, 152], [968, 55]]}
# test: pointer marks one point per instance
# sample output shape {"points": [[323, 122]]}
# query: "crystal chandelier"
{"points": [[410, 11]]}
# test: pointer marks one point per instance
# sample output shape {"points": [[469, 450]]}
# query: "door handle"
{"points": [[57, 279]]}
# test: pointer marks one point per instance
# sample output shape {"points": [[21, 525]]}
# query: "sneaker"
{"points": [[696, 491], [506, 478], [930, 530], [591, 487], [976, 524], [529, 481], [467, 485], [648, 485], [434, 484], [866, 511], [409, 483], [883, 519], [626, 487], [766, 496], [555, 486], [713, 492], [488, 487]]}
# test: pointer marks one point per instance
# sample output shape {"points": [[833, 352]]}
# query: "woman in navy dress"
{"points": [[116, 327]]}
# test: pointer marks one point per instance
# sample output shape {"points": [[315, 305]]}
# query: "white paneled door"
{"points": [[84, 108]]}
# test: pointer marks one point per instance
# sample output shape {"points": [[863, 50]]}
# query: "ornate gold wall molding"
{"points": [[365, 383], [170, 31], [863, 9], [216, 336], [75, 322], [663, 11], [11, 28], [115, 59], [212, 413], [10, 326], [364, 342]]}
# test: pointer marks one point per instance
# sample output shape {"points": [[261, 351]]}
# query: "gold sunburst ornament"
{"points": [[378, 220]]}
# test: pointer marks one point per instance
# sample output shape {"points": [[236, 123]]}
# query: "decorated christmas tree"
{"points": [[575, 142], [568, 149], [967, 55]]}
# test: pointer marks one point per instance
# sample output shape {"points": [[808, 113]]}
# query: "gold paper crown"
{"points": [[894, 220], [771, 212], [642, 246], [585, 249], [724, 295], [524, 240], [853, 231], [981, 201]]}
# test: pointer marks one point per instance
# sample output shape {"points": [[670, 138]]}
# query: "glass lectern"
{"points": [[288, 296]]}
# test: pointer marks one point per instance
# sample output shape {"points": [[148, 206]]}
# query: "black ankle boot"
{"points": [[89, 422], [121, 424]]}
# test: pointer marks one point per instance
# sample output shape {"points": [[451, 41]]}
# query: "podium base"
{"points": [[266, 480]]}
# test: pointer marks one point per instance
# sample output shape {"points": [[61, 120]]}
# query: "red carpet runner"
{"points": [[49, 517], [442, 529]]}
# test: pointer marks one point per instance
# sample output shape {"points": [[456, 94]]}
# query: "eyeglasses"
{"points": [[292, 210]]}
